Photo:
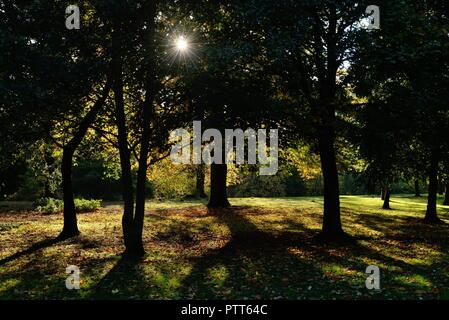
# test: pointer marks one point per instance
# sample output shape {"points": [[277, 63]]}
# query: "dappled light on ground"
{"points": [[258, 249]]}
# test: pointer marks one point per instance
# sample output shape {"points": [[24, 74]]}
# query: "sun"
{"points": [[182, 44], [182, 49]]}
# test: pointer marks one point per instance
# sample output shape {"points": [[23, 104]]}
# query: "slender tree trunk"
{"points": [[386, 204], [331, 219], [417, 191], [218, 195], [446, 195], [150, 89], [200, 180], [382, 193], [70, 228], [122, 137], [431, 213]]}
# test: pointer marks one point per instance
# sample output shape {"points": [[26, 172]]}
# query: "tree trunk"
{"points": [[382, 193], [150, 67], [431, 213], [218, 194], [446, 195], [200, 180], [331, 219], [122, 137], [440, 186], [386, 204], [70, 228], [327, 74], [417, 191]]}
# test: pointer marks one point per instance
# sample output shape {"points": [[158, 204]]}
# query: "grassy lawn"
{"points": [[259, 249]]}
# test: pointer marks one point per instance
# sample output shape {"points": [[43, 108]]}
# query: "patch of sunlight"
{"points": [[173, 283], [415, 280], [218, 275], [368, 261], [160, 279], [8, 284], [334, 269]]}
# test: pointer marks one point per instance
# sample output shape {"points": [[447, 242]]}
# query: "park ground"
{"points": [[258, 249]]}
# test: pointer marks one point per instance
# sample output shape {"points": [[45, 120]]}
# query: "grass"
{"points": [[259, 249]]}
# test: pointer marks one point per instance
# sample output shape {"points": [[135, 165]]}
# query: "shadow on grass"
{"points": [[33, 248], [286, 264], [125, 280], [252, 262], [256, 265]]}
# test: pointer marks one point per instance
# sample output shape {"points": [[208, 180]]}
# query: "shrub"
{"points": [[83, 205], [51, 205]]}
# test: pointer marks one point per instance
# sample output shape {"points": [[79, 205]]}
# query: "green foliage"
{"points": [[83, 205], [96, 179], [169, 181], [51, 205], [287, 182], [42, 177]]}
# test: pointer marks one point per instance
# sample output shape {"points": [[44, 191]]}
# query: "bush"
{"points": [[83, 205], [51, 205]]}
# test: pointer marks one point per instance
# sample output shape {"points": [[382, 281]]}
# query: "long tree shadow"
{"points": [[125, 280], [255, 265], [33, 248]]}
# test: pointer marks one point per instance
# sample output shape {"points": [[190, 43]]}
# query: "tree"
{"points": [[388, 59], [64, 69], [308, 43]]}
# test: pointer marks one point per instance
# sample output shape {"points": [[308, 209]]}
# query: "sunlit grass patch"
{"points": [[258, 249]]}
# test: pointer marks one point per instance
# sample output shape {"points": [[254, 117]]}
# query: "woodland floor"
{"points": [[259, 249]]}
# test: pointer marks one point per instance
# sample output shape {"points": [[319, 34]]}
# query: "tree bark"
{"points": [[218, 195], [122, 136], [70, 228], [200, 180], [150, 89], [331, 218], [431, 213], [382, 193], [446, 195], [417, 191], [327, 74], [386, 204]]}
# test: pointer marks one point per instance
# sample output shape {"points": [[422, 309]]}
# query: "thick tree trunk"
{"points": [[446, 195], [386, 204], [122, 137], [200, 180], [431, 213], [150, 67], [70, 228], [218, 195], [327, 74], [417, 191], [332, 228]]}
